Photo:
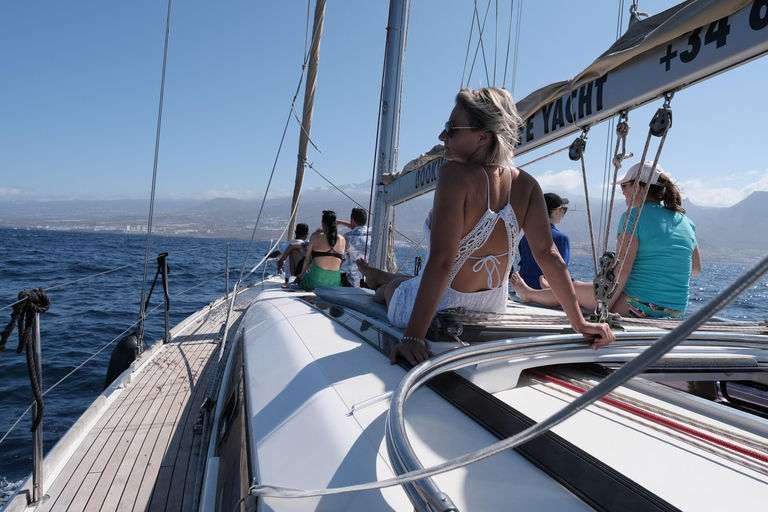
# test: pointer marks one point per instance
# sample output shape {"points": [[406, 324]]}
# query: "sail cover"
{"points": [[674, 49], [643, 36]]}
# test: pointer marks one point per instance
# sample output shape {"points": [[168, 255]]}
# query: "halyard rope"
{"points": [[622, 130], [621, 252]]}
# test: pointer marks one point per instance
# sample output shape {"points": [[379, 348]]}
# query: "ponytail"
{"points": [[667, 193], [329, 223]]}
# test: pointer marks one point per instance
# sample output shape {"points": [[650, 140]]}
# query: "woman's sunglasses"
{"points": [[449, 128]]}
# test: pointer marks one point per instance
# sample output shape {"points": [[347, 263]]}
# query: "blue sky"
{"points": [[81, 81]]}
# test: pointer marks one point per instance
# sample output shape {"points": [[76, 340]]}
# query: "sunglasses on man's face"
{"points": [[449, 128]]}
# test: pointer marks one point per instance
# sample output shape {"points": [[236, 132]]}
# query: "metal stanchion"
{"points": [[226, 292], [37, 435]]}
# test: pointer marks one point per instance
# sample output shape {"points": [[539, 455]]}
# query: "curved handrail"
{"points": [[401, 451]]}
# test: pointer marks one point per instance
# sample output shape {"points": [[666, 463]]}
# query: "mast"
{"points": [[389, 129], [309, 105]]}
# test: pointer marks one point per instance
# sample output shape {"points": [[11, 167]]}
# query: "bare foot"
{"points": [[374, 277], [521, 289], [543, 282]]}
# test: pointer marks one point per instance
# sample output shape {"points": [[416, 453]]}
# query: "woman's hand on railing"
{"points": [[599, 334], [413, 350]]}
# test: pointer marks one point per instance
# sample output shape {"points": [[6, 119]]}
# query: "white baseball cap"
{"points": [[644, 170]]}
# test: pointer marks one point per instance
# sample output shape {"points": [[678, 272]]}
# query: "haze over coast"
{"points": [[735, 233]]}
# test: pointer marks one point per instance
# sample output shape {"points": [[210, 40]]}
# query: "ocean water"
{"points": [[87, 314]]}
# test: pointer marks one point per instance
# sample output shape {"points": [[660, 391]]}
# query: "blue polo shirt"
{"points": [[529, 269]]}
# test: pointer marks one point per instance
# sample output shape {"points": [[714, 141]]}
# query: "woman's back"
{"points": [[325, 256], [486, 208], [661, 271]]}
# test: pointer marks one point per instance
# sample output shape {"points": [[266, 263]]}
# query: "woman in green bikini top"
{"points": [[326, 249]]}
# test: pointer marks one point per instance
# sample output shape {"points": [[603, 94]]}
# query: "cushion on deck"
{"points": [[359, 299]]}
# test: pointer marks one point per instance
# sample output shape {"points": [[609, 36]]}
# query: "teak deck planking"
{"points": [[142, 454]]}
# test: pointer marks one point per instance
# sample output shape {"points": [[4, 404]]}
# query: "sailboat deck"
{"points": [[142, 453]]}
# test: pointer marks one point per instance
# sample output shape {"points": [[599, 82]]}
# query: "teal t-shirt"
{"points": [[662, 269]]}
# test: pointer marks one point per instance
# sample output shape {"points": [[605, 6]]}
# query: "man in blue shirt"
{"points": [[529, 269]]}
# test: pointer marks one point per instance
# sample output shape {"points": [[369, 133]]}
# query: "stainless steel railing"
{"points": [[424, 493]]}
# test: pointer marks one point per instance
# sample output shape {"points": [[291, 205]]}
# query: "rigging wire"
{"points": [[140, 331], [68, 375], [350, 197], [604, 196], [411, 254], [301, 126], [606, 202], [622, 251], [496, 42], [509, 42], [480, 46], [469, 46], [376, 144], [517, 45], [378, 130], [98, 274], [237, 284], [545, 156], [109, 343], [272, 173]]}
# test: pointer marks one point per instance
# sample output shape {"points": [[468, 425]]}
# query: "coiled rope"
{"points": [[23, 316]]}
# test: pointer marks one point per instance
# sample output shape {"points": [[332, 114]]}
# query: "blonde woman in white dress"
{"points": [[481, 204]]}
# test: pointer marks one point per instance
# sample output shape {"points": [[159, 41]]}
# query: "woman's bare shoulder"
{"points": [[454, 170], [520, 177]]}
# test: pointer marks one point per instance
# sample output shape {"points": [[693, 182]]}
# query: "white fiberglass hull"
{"points": [[316, 381]]}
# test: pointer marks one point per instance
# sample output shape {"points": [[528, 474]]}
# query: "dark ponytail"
{"points": [[329, 221], [667, 194]]}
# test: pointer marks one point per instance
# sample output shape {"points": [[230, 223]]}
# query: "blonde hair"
{"points": [[492, 110]]}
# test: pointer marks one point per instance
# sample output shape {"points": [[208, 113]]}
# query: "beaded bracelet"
{"points": [[413, 339]]}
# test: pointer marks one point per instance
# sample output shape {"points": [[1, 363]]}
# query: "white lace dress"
{"points": [[494, 299]]}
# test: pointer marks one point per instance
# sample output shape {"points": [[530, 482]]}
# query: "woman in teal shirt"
{"points": [[662, 254]]}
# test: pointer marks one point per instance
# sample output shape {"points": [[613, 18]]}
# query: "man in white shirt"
{"points": [[357, 240], [294, 252]]}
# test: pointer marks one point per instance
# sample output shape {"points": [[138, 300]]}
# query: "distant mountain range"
{"points": [[737, 233]]}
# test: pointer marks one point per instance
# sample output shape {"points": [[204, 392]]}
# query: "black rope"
{"points": [[23, 316], [162, 270]]}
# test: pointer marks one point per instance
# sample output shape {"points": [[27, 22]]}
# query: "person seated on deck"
{"points": [[294, 252], [662, 255], [357, 240], [481, 202], [326, 254], [529, 269]]}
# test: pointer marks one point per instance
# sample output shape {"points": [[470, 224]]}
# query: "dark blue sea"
{"points": [[88, 314]]}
